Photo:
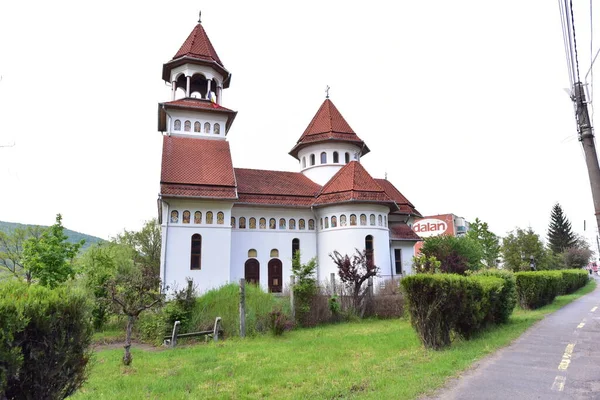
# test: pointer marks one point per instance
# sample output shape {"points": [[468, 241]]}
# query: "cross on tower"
{"points": [[327, 92]]}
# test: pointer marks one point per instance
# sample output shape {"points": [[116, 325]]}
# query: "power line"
{"points": [[574, 40]]}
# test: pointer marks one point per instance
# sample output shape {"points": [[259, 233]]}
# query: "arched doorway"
{"points": [[252, 271], [275, 276]]}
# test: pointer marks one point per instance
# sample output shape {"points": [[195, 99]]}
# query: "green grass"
{"points": [[369, 359]]}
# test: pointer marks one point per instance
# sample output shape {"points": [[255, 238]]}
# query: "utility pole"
{"points": [[586, 137]]}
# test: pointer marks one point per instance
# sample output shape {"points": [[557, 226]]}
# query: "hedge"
{"points": [[537, 288], [439, 304], [508, 299], [44, 341]]}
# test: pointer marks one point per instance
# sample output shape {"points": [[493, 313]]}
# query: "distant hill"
{"points": [[73, 236]]}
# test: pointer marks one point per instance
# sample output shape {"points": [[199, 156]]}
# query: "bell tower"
{"points": [[197, 78]]}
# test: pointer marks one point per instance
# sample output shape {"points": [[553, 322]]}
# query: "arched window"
{"points": [[272, 224], [363, 219], [282, 223], [197, 217], [385, 220], [323, 158], [303, 162], [217, 129], [274, 253], [326, 222], [196, 126], [206, 127], [262, 223], [209, 217], [352, 219], [252, 253], [379, 220], [343, 220], [174, 216], [220, 218], [196, 253], [372, 220], [242, 223], [336, 157], [187, 126], [347, 157], [186, 217], [301, 224], [311, 224], [369, 250], [292, 223], [252, 223], [177, 125], [321, 223], [333, 221], [295, 246], [233, 222], [312, 159]]}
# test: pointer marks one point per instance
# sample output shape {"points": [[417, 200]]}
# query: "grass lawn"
{"points": [[369, 359]]}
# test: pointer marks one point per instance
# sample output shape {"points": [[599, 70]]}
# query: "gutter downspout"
{"points": [[166, 237], [312, 208]]}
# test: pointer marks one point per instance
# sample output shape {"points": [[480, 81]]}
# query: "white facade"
{"points": [[214, 235]]}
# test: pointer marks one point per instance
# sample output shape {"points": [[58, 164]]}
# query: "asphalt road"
{"points": [[558, 358]]}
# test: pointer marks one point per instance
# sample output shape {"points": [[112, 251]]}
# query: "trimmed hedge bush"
{"points": [[443, 303], [538, 288], [508, 298], [44, 341]]}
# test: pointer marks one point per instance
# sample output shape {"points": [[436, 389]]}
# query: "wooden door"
{"points": [[275, 276], [252, 271]]}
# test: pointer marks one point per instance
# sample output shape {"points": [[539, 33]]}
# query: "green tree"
{"points": [[50, 257], [11, 250], [518, 248], [456, 254], [560, 234], [134, 288], [305, 286], [489, 242], [146, 242]]}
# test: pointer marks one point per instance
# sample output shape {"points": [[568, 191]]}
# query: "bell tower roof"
{"points": [[197, 49], [328, 124]]}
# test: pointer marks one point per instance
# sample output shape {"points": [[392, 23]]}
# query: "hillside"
{"points": [[72, 235]]}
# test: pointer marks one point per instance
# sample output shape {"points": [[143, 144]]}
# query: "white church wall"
{"points": [[177, 235], [322, 173], [197, 116], [346, 239], [407, 249], [265, 240]]}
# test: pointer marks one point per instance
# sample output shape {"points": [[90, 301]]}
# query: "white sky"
{"points": [[461, 102]]}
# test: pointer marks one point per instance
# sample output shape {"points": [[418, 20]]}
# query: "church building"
{"points": [[220, 224]]}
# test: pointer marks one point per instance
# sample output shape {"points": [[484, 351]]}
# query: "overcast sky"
{"points": [[462, 103]]}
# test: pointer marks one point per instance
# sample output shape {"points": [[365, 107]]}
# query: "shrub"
{"points": [[278, 322], [508, 297], [573, 279], [305, 288], [388, 302], [224, 302], [432, 304], [45, 339], [537, 288]]}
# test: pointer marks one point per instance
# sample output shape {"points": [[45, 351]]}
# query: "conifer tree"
{"points": [[560, 234]]}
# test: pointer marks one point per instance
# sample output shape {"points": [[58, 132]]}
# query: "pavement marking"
{"points": [[581, 325], [593, 309], [566, 358], [559, 383]]}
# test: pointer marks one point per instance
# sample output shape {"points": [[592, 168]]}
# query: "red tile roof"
{"points": [[404, 205], [197, 49], [353, 183], [197, 104], [328, 125], [198, 46], [402, 232], [197, 167], [278, 188]]}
